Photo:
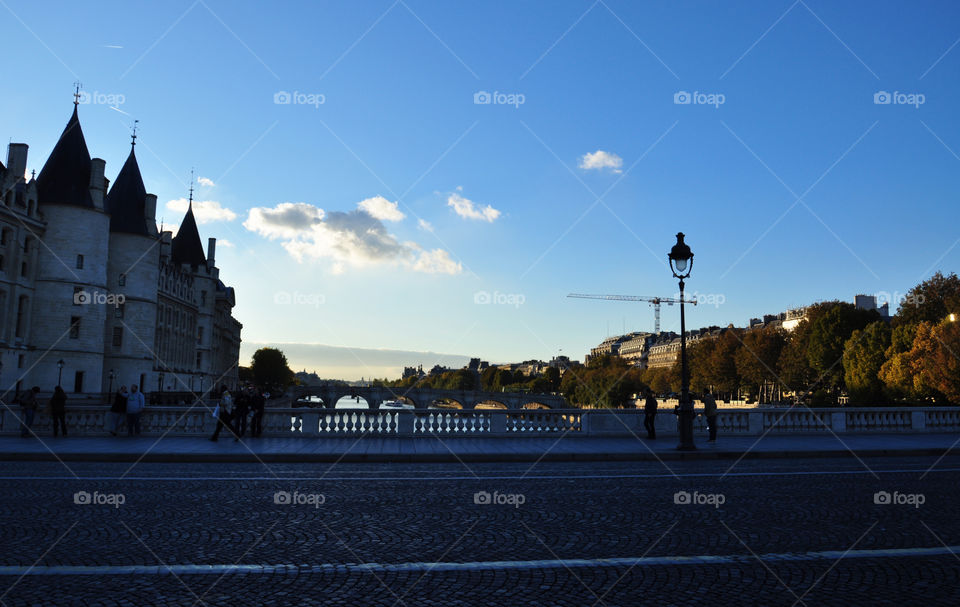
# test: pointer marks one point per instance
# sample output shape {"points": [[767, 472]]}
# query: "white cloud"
{"points": [[353, 239], [223, 242], [173, 228], [381, 208], [205, 211], [464, 207], [287, 220], [600, 160], [205, 182], [437, 261], [423, 224]]}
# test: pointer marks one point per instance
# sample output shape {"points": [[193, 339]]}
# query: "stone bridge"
{"points": [[423, 398]]}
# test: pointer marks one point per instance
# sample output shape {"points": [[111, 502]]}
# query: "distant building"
{"points": [[869, 302]]}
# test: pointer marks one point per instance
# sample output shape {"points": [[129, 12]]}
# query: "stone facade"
{"points": [[92, 296]]}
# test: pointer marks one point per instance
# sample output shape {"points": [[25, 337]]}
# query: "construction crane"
{"points": [[654, 301]]}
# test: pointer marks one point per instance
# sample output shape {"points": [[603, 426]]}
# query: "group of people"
{"points": [[234, 413], [709, 412], [127, 407]]}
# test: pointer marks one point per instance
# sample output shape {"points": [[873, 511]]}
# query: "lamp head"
{"points": [[681, 258]]}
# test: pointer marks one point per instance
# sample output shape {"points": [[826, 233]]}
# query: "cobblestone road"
{"points": [[806, 532]]}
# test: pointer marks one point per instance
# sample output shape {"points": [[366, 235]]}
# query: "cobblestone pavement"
{"points": [[804, 532]]}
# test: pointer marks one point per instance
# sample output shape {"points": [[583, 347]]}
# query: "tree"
{"points": [[828, 338], [270, 369], [699, 354], [722, 367], [930, 369], [552, 375], [758, 356], [863, 356], [898, 371], [942, 369], [932, 300]]}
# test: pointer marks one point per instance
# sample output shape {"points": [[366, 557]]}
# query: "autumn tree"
{"points": [[932, 301], [757, 358], [863, 356]]}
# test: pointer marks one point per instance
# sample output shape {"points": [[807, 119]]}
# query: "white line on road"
{"points": [[425, 567], [529, 477]]}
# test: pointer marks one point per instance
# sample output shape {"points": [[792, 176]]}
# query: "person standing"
{"points": [[28, 410], [257, 403], [135, 406], [118, 409], [710, 412], [649, 414], [58, 410], [240, 412], [224, 412]]}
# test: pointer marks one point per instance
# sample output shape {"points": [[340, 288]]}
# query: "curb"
{"points": [[290, 458]]}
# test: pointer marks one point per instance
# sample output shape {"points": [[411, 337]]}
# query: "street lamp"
{"points": [[60, 364], [112, 375], [681, 263]]}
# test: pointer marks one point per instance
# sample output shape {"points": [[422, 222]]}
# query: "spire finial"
{"points": [[133, 140], [76, 92], [191, 188]]}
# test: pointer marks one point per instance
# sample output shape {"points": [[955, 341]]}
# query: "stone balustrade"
{"points": [[198, 421]]}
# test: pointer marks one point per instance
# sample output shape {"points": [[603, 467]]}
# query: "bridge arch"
{"points": [[490, 404], [535, 405]]}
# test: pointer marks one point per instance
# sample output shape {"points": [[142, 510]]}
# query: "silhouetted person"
{"points": [[224, 413], [241, 409], [28, 410], [710, 412], [649, 414], [135, 406], [58, 410], [118, 409], [257, 403]]}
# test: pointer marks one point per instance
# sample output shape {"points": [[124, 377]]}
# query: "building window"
{"points": [[118, 310], [4, 237], [122, 281], [2, 265], [79, 262], [203, 298], [79, 296], [74, 327], [199, 359], [22, 315], [78, 382], [20, 361], [117, 337], [200, 335], [23, 269]]}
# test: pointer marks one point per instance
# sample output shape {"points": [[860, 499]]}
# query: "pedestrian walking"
{"points": [[28, 410], [58, 410], [240, 411], [710, 412], [118, 409], [649, 414], [257, 403], [224, 413], [135, 406]]}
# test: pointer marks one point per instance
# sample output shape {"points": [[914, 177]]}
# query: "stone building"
{"points": [[91, 295]]}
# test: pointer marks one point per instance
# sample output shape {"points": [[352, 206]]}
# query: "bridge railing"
{"points": [[304, 422]]}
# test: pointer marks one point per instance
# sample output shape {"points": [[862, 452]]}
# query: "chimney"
{"points": [[97, 182], [150, 213], [17, 159], [166, 239], [211, 250]]}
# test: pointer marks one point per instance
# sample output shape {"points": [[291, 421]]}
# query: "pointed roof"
{"points": [[186, 246], [127, 200], [65, 177]]}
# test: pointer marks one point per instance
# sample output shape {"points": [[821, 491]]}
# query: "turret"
{"points": [[98, 183], [211, 251], [17, 159]]}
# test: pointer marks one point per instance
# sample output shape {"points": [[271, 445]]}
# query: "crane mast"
{"points": [[654, 301]]}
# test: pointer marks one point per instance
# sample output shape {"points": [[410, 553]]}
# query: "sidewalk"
{"points": [[448, 449]]}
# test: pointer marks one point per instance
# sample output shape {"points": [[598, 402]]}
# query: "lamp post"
{"points": [[60, 364], [681, 263], [112, 375]]}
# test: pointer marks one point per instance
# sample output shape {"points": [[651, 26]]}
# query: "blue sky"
{"points": [[791, 183]]}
